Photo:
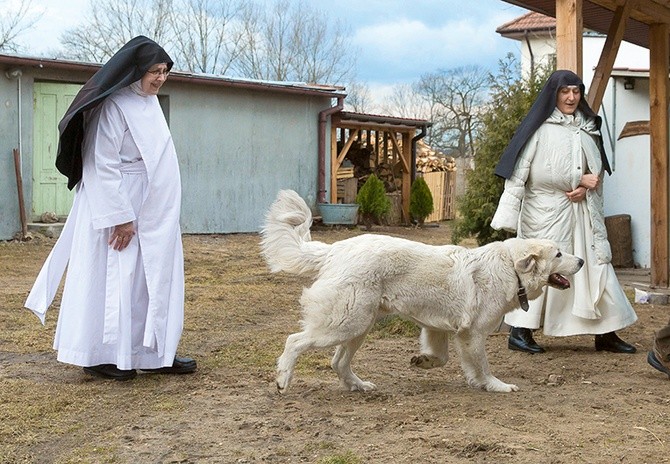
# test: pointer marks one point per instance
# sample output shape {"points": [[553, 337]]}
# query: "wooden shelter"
{"points": [[645, 23], [386, 139]]}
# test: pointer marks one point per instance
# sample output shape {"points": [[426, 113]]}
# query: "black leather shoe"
{"points": [[110, 371], [656, 364], [179, 366], [521, 339], [611, 342]]}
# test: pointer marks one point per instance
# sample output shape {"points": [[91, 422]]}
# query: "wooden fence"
{"points": [[442, 185]]}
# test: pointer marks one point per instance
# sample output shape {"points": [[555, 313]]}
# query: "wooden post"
{"points": [[608, 55], [569, 30], [19, 188], [659, 63]]}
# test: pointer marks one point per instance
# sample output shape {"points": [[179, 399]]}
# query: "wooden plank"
{"points": [[632, 128], [347, 189], [569, 31], [658, 100], [345, 172], [450, 205], [436, 182], [603, 70]]}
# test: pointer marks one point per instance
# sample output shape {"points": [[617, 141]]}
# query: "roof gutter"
{"points": [[323, 119]]}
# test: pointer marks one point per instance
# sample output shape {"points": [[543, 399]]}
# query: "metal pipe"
{"points": [[415, 139], [16, 74], [323, 119]]}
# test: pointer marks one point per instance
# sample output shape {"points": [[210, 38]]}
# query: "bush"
{"points": [[511, 99], [372, 201], [420, 200]]}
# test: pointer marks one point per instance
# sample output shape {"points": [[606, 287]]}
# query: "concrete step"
{"points": [[52, 230]]}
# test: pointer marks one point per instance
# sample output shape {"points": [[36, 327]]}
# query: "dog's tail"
{"points": [[286, 242]]}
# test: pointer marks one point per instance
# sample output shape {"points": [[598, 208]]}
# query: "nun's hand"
{"points": [[121, 236], [590, 181], [577, 194]]}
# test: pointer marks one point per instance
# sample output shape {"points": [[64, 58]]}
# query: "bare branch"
{"points": [[15, 19]]}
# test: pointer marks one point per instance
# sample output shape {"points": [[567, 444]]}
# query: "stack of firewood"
{"points": [[429, 160]]}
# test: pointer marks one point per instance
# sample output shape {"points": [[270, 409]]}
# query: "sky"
{"points": [[397, 40]]}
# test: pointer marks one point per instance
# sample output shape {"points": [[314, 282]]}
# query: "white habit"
{"points": [[120, 307]]}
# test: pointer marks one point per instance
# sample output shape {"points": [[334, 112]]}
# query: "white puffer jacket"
{"points": [[552, 162]]}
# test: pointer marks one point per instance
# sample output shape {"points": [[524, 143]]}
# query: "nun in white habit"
{"points": [[554, 166], [122, 307]]}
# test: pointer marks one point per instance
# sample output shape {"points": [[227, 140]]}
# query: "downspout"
{"points": [[323, 119], [530, 52], [415, 139], [16, 74]]}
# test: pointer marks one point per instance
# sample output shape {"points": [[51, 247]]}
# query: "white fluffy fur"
{"points": [[449, 291]]}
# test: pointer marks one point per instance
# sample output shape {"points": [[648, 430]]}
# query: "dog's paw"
{"points": [[362, 386], [282, 382], [496, 385], [424, 361]]}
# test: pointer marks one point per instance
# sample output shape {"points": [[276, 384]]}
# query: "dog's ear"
{"points": [[525, 264]]}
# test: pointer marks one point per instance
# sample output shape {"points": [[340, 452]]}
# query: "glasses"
{"points": [[159, 72]]}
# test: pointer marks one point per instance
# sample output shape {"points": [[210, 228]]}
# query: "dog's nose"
{"points": [[581, 262]]}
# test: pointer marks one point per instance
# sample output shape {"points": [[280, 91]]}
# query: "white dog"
{"points": [[447, 290]]}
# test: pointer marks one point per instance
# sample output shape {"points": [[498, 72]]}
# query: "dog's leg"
{"points": [[296, 344], [331, 317], [471, 348], [341, 364], [434, 349]]}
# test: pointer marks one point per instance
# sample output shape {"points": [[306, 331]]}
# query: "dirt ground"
{"points": [[575, 405]]}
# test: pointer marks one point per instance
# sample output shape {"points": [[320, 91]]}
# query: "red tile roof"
{"points": [[531, 21]]}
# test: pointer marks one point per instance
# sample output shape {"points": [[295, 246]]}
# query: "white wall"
{"points": [[627, 189], [629, 56], [542, 50]]}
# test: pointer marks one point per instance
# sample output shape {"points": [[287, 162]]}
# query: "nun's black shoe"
{"points": [[656, 364], [521, 339], [110, 371], [612, 343], [179, 366]]}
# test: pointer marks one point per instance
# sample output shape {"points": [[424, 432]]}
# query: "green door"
{"points": [[50, 193]]}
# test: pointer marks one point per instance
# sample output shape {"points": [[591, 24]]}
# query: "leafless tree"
{"points": [[292, 41], [207, 34], [287, 40], [358, 98], [405, 101], [455, 98], [15, 19], [112, 23]]}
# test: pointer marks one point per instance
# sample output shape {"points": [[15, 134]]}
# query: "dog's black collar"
{"points": [[521, 293]]}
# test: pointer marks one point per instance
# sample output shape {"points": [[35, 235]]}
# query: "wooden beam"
{"points": [[569, 31], [633, 128], [659, 63], [608, 55], [353, 136]]}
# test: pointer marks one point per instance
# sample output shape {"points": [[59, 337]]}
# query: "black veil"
{"points": [[542, 108], [127, 65]]}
